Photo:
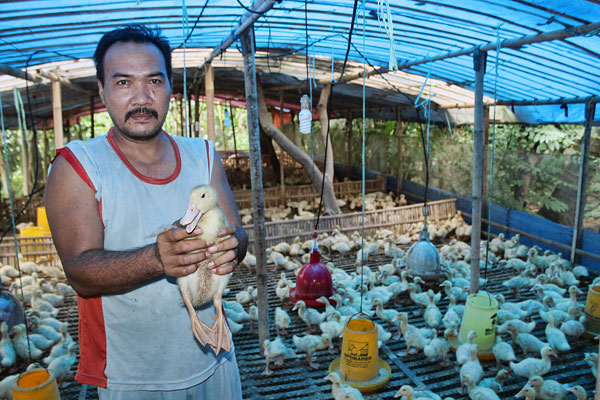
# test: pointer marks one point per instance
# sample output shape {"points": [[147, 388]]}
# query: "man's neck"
{"points": [[154, 158]]}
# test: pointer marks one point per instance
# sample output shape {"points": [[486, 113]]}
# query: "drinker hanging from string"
{"points": [[359, 364], [422, 258]]}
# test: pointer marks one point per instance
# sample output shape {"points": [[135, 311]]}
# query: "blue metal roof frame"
{"points": [[36, 32]]}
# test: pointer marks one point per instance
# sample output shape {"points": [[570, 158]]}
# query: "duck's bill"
{"points": [[191, 218]]}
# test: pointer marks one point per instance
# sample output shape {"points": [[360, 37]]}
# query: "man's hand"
{"points": [[224, 263], [180, 252]]}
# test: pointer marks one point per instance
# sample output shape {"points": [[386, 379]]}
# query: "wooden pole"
{"points": [[197, 114], [590, 108], [209, 88], [349, 142], [258, 213], [237, 162], [479, 60], [281, 157], [92, 133], [400, 129], [59, 141]]}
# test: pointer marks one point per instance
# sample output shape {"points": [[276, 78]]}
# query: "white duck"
{"points": [[503, 352], [61, 366], [408, 393], [438, 347], [25, 349], [274, 349], [203, 285], [341, 391], [432, 314], [496, 382], [526, 341], [464, 350], [528, 392], [282, 321], [547, 389], [578, 391], [245, 296], [311, 343], [310, 316], [7, 350], [556, 337], [534, 366], [478, 392], [471, 368]]}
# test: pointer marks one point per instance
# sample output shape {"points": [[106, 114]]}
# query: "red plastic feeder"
{"points": [[313, 281]]}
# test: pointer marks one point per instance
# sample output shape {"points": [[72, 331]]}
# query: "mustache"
{"points": [[141, 110]]}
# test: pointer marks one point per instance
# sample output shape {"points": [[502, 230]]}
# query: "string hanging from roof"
{"points": [[384, 16]]}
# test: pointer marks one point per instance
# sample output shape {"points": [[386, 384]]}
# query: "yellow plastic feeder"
{"points": [[359, 365], [37, 384], [480, 316], [42, 220], [592, 312]]}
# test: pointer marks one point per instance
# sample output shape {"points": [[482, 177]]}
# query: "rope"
{"points": [[350, 37], [387, 24], [12, 212]]}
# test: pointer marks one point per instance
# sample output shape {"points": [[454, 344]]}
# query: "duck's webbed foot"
{"points": [[203, 334], [219, 328]]}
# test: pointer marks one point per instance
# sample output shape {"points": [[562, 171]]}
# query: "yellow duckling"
{"points": [[578, 391], [275, 349], [547, 389], [282, 321], [203, 285], [341, 391], [471, 368], [478, 392], [408, 393], [311, 343], [310, 316]]}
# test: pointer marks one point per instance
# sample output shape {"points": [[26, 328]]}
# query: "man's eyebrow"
{"points": [[125, 75]]}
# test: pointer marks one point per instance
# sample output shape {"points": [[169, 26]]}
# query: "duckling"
{"points": [[330, 311], [60, 366], [578, 391], [472, 368], [547, 389], [438, 347], [234, 327], [245, 296], [528, 392], [382, 335], [283, 292], [334, 328], [458, 292], [38, 340], [7, 350], [591, 359], [249, 261], [534, 366], [510, 307], [45, 330], [518, 282], [341, 391], [310, 316], [275, 349], [569, 302], [311, 343], [496, 382], [385, 315], [451, 319], [6, 390], [478, 392], [519, 325], [237, 314], [421, 299], [25, 349], [503, 352], [463, 351], [416, 340], [39, 304], [408, 393], [404, 327], [253, 316], [391, 250], [432, 314], [556, 337], [282, 321], [526, 341]]}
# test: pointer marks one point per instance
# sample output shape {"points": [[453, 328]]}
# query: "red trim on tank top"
{"points": [[69, 157], [139, 175], [92, 342]]}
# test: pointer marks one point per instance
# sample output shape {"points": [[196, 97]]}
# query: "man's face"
{"points": [[136, 89]]}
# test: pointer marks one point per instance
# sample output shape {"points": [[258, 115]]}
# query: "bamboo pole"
{"points": [[479, 60], [237, 161], [258, 213], [209, 89], [281, 154], [582, 180], [400, 129], [57, 113]]}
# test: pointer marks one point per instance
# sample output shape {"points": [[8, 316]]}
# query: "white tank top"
{"points": [[141, 340]]}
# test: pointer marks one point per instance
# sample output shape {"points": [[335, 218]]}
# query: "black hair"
{"points": [[132, 33]]}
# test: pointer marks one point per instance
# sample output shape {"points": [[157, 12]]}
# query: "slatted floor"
{"points": [[296, 380]]}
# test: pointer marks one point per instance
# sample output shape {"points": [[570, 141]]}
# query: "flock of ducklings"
{"points": [[518, 353], [44, 341], [307, 209]]}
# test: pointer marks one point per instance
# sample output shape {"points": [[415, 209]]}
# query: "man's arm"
{"points": [[78, 235], [235, 247]]}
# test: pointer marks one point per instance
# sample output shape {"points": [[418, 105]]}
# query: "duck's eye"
{"points": [[203, 195]]}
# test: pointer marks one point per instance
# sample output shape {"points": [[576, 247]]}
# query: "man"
{"points": [[106, 199]]}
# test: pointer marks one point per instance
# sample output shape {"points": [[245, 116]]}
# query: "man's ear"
{"points": [[101, 91]]}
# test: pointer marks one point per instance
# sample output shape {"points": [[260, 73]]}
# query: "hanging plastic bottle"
{"points": [[227, 121], [305, 115]]}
